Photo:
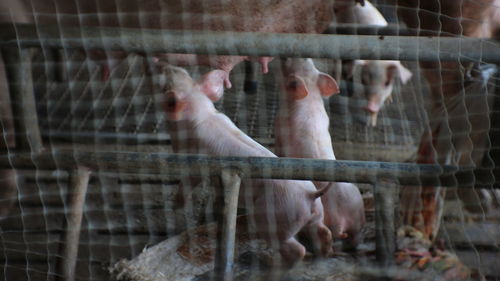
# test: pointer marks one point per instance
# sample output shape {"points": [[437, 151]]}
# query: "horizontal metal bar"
{"points": [[254, 167], [255, 44]]}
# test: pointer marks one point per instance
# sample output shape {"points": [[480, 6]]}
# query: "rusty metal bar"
{"points": [[385, 196], [18, 70], [227, 225], [79, 180], [255, 44], [254, 167]]}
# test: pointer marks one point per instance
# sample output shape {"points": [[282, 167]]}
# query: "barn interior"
{"points": [[128, 207]]}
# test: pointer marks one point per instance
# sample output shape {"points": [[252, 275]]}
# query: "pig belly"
{"points": [[281, 210], [277, 218], [344, 211], [280, 16], [225, 63]]}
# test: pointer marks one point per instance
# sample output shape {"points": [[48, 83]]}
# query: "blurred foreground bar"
{"points": [[253, 44], [254, 167]]}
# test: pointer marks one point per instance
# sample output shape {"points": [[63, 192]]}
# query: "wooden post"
{"points": [[78, 184], [227, 226], [18, 70], [385, 193]]}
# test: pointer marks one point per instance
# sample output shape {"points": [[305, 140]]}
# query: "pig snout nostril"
{"points": [[372, 107], [171, 103], [370, 110]]}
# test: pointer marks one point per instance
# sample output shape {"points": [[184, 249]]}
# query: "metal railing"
{"points": [[253, 43], [385, 176]]}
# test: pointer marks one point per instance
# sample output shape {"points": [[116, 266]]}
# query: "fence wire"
{"points": [[159, 226]]}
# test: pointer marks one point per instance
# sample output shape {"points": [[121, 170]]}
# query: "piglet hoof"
{"points": [[326, 240], [321, 240], [349, 246], [291, 252]]}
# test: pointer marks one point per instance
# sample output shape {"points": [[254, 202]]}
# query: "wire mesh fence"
{"points": [[96, 184]]}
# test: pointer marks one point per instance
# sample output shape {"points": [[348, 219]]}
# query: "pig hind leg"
{"points": [[193, 203], [292, 251], [350, 244], [320, 239]]}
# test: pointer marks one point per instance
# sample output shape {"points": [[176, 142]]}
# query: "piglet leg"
{"points": [[321, 239], [350, 243], [292, 251]]}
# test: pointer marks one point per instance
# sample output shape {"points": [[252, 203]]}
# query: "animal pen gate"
{"points": [[96, 177]]}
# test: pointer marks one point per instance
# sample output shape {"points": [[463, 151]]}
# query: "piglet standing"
{"points": [[280, 208], [301, 131], [377, 76]]}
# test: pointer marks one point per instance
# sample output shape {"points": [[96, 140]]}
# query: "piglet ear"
{"points": [[173, 106], [159, 64], [327, 85], [350, 67], [212, 84], [392, 72], [296, 87], [404, 73], [399, 70]]}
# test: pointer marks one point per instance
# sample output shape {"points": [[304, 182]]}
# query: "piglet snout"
{"points": [[372, 107]]}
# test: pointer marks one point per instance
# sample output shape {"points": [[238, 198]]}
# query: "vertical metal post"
{"points": [[18, 70], [227, 226], [8, 191], [385, 193], [8, 178], [50, 56], [78, 184]]}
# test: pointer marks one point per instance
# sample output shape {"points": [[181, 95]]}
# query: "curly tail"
{"points": [[320, 192]]}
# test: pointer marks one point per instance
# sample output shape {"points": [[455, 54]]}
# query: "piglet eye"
{"points": [[171, 101], [292, 85], [387, 83]]}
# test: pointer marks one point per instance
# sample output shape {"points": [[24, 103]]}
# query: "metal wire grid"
{"points": [[123, 111]]}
